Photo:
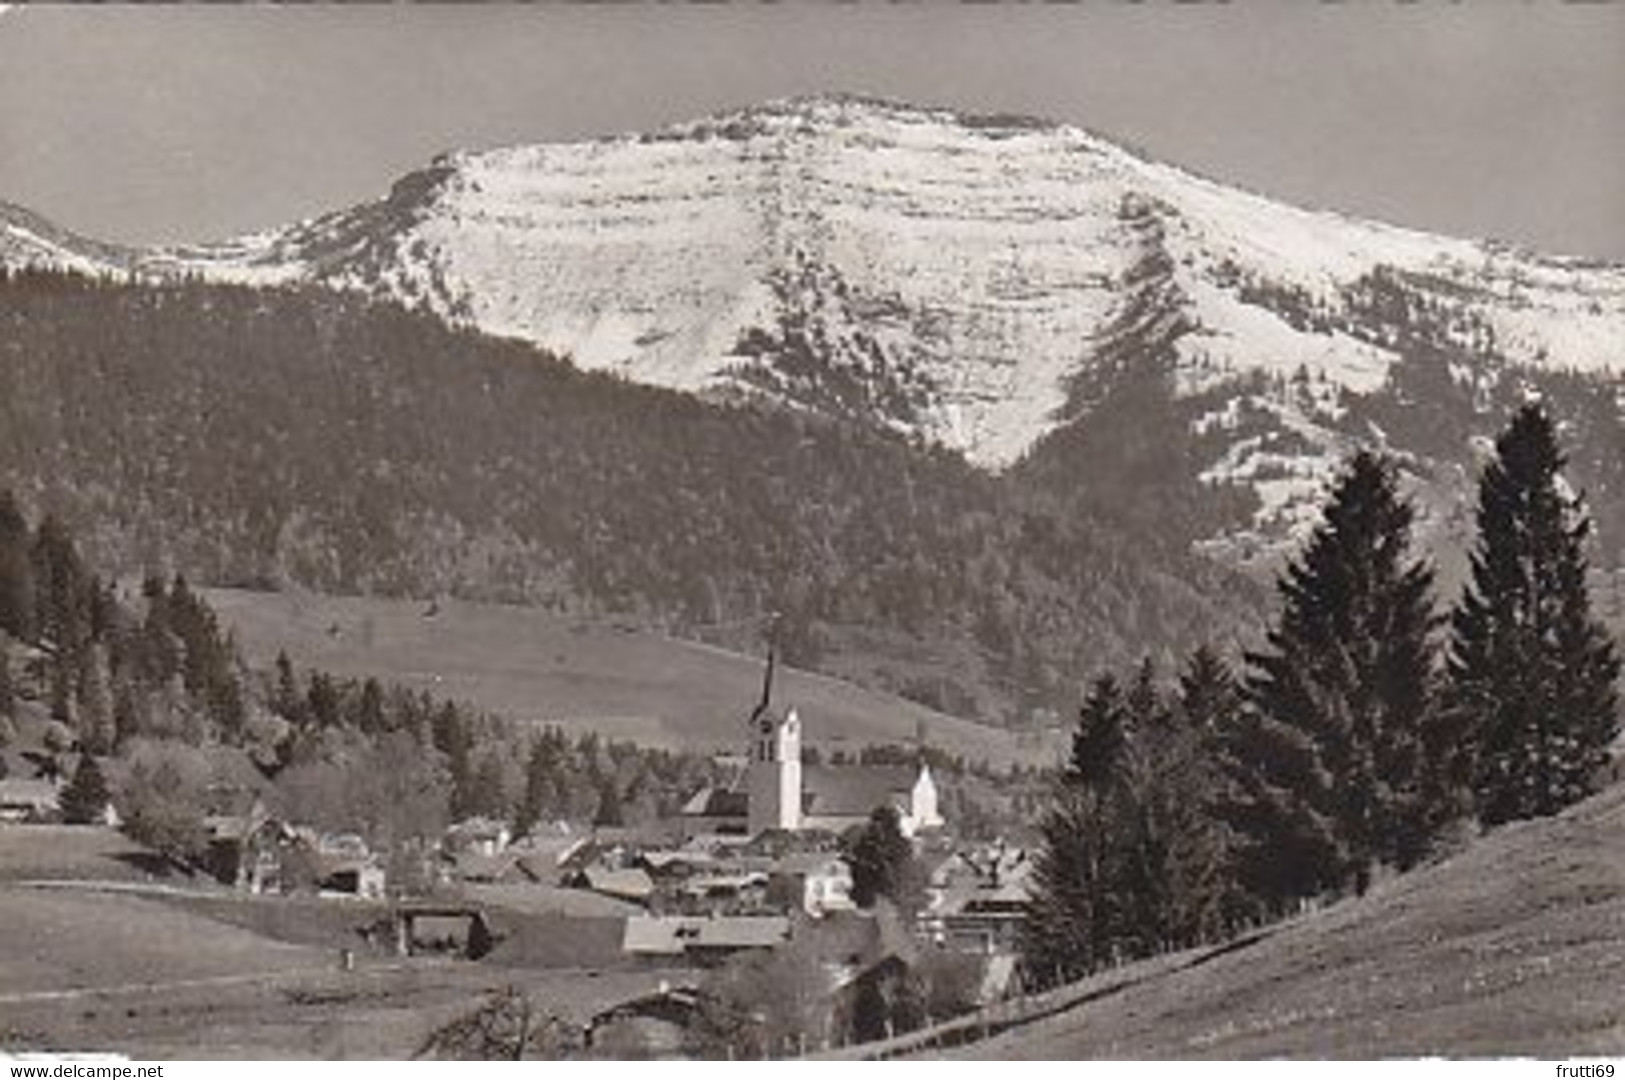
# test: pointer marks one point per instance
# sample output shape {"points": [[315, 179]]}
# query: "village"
{"points": [[755, 869]]}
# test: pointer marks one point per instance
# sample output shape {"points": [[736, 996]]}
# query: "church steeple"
{"points": [[761, 718], [775, 761]]}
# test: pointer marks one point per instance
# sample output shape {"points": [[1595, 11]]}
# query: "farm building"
{"points": [[978, 900], [248, 850], [818, 883], [480, 835], [701, 939], [28, 799], [628, 884], [649, 1027]]}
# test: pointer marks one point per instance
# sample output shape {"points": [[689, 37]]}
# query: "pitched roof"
{"points": [[657, 861], [706, 884], [854, 790], [36, 794], [743, 931], [717, 802], [474, 866], [478, 827], [810, 862], [539, 868], [552, 847], [653, 934], [342, 844], [633, 884], [18, 764], [238, 827], [672, 935]]}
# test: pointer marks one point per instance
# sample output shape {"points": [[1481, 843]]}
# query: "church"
{"points": [[778, 792]]}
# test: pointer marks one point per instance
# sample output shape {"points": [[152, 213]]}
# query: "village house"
{"points": [[668, 868], [27, 800], [978, 900], [540, 855], [732, 891], [652, 1026], [363, 879], [816, 883], [246, 845], [482, 869], [700, 939], [345, 867], [30, 785], [862, 979], [481, 835], [620, 883], [256, 852]]}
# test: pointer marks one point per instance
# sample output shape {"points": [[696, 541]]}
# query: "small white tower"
{"points": [[774, 785]]}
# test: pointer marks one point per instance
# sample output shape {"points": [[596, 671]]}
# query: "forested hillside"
{"points": [[145, 702], [270, 437]]}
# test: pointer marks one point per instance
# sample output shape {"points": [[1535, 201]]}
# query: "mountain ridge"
{"points": [[979, 282]]}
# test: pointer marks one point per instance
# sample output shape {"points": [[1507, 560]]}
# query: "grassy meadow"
{"points": [[541, 668]]}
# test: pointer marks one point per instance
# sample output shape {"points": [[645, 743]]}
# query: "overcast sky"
{"points": [[1502, 119]]}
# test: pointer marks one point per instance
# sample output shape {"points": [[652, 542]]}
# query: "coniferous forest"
{"points": [[265, 437], [1374, 730], [145, 696]]}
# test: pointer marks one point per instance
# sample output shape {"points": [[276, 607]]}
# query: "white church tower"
{"points": [[774, 786]]}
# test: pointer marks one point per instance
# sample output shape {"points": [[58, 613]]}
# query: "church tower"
{"points": [[774, 786]]}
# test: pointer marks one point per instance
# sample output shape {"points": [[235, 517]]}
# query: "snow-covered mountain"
{"points": [[28, 241], [977, 281]]}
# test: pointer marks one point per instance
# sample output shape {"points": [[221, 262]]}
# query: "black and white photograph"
{"points": [[844, 531]]}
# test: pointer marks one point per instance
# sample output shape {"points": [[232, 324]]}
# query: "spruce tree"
{"points": [[1326, 771], [369, 712], [97, 728], [1059, 937], [286, 699], [16, 571], [1082, 913], [1102, 757], [1533, 702], [8, 695], [1157, 819], [60, 581], [85, 798], [1211, 901], [533, 803]]}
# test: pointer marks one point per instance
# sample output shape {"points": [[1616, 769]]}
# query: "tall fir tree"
{"points": [[8, 695], [60, 582], [1211, 900], [1533, 700], [1327, 771], [286, 699], [1156, 822], [542, 764], [85, 798], [16, 571], [98, 730], [1082, 914]]}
